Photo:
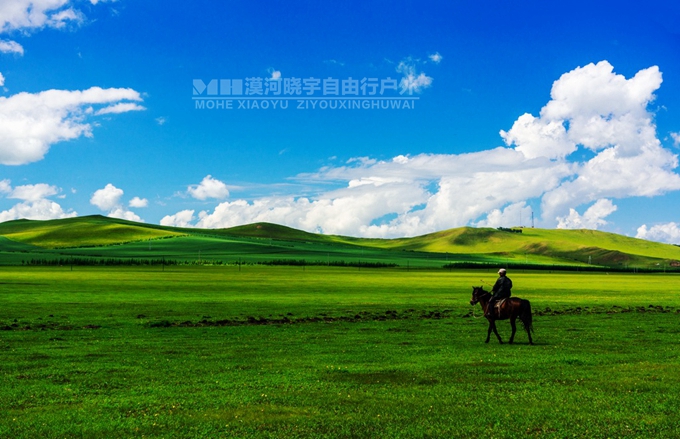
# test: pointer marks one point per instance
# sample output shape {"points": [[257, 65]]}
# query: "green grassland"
{"points": [[330, 352], [204, 341], [97, 237]]}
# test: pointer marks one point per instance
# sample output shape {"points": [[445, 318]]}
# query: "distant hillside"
{"points": [[581, 245], [273, 231], [265, 242], [84, 231]]}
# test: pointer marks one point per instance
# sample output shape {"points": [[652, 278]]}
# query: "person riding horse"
{"points": [[500, 290]]}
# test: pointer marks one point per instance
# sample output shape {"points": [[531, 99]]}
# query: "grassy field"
{"points": [[272, 352]]}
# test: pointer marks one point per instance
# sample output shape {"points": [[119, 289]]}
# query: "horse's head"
{"points": [[477, 293]]}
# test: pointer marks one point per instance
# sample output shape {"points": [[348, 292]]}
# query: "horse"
{"points": [[512, 308]]}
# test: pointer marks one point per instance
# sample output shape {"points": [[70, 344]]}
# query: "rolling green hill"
{"points": [[84, 231], [103, 237], [580, 245]]}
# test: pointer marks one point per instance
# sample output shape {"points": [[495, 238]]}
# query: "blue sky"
{"points": [[569, 112]]}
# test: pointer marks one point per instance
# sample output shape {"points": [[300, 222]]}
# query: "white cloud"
{"points": [[64, 17], [123, 107], [9, 46], [594, 108], [535, 137], [107, 198], [31, 123], [675, 136], [398, 190], [412, 81], [36, 210], [5, 186], [180, 219], [139, 202], [337, 213], [413, 195], [516, 214], [35, 204], [122, 213], [33, 192], [160, 121], [209, 188], [592, 218], [29, 15], [436, 58], [2, 80], [26, 16], [668, 233]]}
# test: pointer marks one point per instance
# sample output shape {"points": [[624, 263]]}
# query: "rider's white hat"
{"points": [[502, 270]]}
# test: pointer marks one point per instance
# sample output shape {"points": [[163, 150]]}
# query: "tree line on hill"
{"points": [[163, 261], [300, 262]]}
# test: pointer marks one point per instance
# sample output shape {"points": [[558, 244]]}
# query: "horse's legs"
{"points": [[492, 327], [529, 334], [514, 329]]}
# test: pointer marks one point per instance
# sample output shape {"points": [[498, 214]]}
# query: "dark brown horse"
{"points": [[512, 308]]}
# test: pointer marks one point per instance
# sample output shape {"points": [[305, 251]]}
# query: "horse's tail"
{"points": [[525, 315]]}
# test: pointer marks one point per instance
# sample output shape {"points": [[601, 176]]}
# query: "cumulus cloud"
{"points": [[138, 202], [209, 188], [36, 210], [535, 137], [668, 233], [396, 198], [108, 198], [31, 123], [594, 108], [412, 80], [592, 218], [180, 219], [338, 212], [2, 80], [516, 214], [33, 192], [34, 204], [591, 108], [122, 213]]}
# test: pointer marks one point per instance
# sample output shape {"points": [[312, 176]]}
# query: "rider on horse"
{"points": [[501, 290]]}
